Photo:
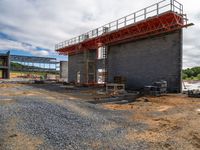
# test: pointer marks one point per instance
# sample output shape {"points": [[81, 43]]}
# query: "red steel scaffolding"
{"points": [[162, 17]]}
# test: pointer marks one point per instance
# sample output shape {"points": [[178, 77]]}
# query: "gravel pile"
{"points": [[71, 124]]}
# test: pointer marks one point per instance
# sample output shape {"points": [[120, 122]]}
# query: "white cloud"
{"points": [[43, 23], [10, 45]]}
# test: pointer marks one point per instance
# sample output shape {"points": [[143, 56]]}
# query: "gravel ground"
{"points": [[51, 117], [31, 119]]}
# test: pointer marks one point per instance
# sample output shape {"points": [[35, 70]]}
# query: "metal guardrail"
{"points": [[143, 14]]}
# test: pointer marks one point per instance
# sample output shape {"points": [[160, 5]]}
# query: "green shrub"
{"points": [[191, 73], [198, 76], [184, 76]]}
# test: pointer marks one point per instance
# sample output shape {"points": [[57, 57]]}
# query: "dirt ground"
{"points": [[174, 117], [172, 120]]}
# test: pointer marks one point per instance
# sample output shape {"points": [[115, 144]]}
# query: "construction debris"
{"points": [[39, 81], [194, 93]]}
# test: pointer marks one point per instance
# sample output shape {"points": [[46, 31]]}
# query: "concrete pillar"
{"points": [[64, 70]]}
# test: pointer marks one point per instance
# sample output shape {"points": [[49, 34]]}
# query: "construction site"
{"points": [[120, 89]]}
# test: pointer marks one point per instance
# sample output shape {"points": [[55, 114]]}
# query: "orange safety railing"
{"points": [[165, 14]]}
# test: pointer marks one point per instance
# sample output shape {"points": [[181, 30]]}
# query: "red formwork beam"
{"points": [[166, 22]]}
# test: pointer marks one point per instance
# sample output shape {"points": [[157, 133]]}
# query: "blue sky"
{"points": [[8, 43], [33, 27]]}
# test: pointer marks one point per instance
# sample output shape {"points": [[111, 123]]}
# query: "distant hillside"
{"points": [[191, 73], [18, 67]]}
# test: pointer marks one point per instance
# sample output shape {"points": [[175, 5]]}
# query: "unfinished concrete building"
{"points": [[18, 63], [143, 47], [5, 66]]}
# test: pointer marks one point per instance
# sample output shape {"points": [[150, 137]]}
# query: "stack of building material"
{"points": [[157, 89], [115, 89], [161, 86]]}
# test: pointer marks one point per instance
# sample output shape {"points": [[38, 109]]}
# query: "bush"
{"points": [[191, 73], [198, 76], [184, 76]]}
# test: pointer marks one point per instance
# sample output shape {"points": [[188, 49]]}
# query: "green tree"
{"points": [[184, 76], [198, 76], [196, 71], [191, 73]]}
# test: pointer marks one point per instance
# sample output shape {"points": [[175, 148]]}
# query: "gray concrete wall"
{"points": [[79, 62], [76, 63], [64, 70], [145, 61]]}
